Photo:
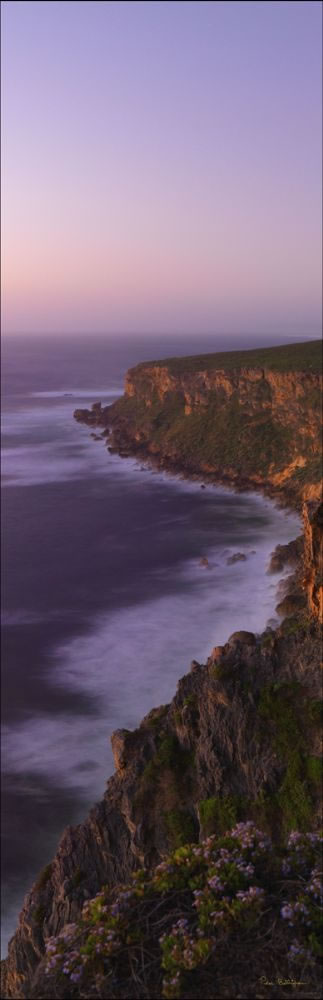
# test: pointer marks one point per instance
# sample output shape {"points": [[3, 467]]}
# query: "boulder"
{"points": [[245, 638]]}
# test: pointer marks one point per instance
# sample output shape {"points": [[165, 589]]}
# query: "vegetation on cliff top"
{"points": [[188, 927], [304, 357]]}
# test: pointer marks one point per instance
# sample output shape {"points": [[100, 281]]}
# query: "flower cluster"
{"points": [[249, 837], [305, 912], [75, 951], [301, 853], [199, 897], [314, 885], [226, 898], [298, 953], [294, 912], [182, 950], [254, 894]]}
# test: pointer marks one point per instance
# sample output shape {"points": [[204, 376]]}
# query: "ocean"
{"points": [[105, 600]]}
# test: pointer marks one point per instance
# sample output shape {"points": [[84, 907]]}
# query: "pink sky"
{"points": [[161, 167]]}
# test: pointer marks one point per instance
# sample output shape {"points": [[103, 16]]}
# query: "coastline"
{"points": [[134, 824], [280, 493]]}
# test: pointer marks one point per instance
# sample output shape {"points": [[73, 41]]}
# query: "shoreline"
{"points": [[281, 501], [292, 581], [289, 588], [285, 499]]}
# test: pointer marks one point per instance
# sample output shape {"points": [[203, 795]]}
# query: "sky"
{"points": [[161, 167]]}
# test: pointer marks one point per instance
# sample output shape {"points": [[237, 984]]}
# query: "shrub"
{"points": [[201, 912], [314, 769], [287, 715], [218, 814], [180, 826]]}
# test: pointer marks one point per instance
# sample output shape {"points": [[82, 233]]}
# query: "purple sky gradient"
{"points": [[161, 167]]}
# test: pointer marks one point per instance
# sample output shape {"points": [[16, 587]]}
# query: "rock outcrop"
{"points": [[251, 427], [313, 557]]}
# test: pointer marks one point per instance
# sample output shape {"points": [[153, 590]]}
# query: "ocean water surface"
{"points": [[105, 598]]}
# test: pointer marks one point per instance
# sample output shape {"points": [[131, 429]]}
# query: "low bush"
{"points": [[188, 928]]}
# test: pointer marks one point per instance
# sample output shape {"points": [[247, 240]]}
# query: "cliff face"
{"points": [[249, 427], [313, 558], [290, 395], [238, 741]]}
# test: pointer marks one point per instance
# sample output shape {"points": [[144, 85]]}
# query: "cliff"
{"points": [[240, 740], [248, 425], [313, 558]]}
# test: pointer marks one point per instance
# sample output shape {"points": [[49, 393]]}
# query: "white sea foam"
{"points": [[131, 659], [51, 446]]}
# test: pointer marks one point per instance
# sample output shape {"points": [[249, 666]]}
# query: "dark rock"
{"points": [[286, 555], [237, 557], [81, 414], [195, 666], [290, 604], [245, 638]]}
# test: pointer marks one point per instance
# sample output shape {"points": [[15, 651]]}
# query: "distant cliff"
{"points": [[245, 424]]}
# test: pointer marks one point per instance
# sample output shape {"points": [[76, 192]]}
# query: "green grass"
{"points": [[288, 718], [180, 827], [306, 357], [169, 756], [314, 769], [217, 814]]}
